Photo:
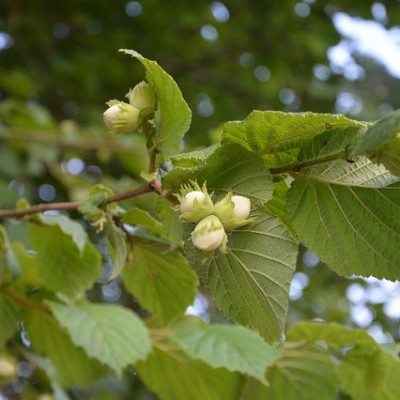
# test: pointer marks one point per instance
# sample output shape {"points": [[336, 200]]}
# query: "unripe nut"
{"points": [[195, 206], [188, 200], [242, 207], [209, 234], [233, 211], [122, 117]]}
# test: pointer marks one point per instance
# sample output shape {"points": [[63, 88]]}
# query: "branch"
{"points": [[82, 142], [153, 186]]}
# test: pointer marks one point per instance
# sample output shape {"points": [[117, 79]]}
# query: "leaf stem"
{"points": [[297, 166], [154, 186]]}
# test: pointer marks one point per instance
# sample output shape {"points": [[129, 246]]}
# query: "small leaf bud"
{"points": [[209, 234], [142, 97], [122, 117], [233, 211]]}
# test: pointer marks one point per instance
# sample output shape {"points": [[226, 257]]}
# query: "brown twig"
{"points": [[73, 205]]}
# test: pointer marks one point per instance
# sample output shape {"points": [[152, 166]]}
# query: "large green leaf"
{"points": [[69, 227], [160, 279], [29, 276], [366, 371], [250, 282], [72, 364], [67, 263], [111, 334], [336, 336], [232, 347], [278, 136], [9, 315], [172, 227], [186, 166], [172, 375], [378, 133], [303, 373], [231, 167], [367, 376], [345, 214], [173, 116]]}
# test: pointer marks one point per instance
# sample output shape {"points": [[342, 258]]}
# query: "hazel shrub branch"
{"points": [[154, 186]]}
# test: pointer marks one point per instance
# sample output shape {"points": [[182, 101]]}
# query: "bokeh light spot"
{"points": [[262, 73], [133, 9], [47, 192], [6, 41], [61, 30], [302, 10], [220, 11], [75, 166], [209, 33]]}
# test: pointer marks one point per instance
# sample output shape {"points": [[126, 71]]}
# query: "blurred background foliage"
{"points": [[59, 64]]}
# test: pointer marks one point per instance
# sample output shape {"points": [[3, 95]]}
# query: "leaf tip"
{"points": [[132, 53]]}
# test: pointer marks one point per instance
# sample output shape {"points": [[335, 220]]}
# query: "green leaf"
{"points": [[173, 115], [9, 316], [229, 167], [367, 376], [172, 375], [334, 335], [137, 216], [186, 167], [193, 159], [172, 227], [366, 371], [277, 205], [330, 145], [29, 276], [279, 136], [117, 240], [303, 373], [378, 133], [8, 262], [392, 349], [161, 280], [343, 213], [112, 334], [232, 168], [232, 347], [250, 282], [72, 364], [67, 263], [69, 227]]}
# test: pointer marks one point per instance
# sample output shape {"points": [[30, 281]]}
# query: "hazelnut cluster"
{"points": [[212, 220]]}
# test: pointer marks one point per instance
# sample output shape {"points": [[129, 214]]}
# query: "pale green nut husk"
{"points": [[142, 96], [209, 235], [195, 204], [122, 117], [233, 211]]}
